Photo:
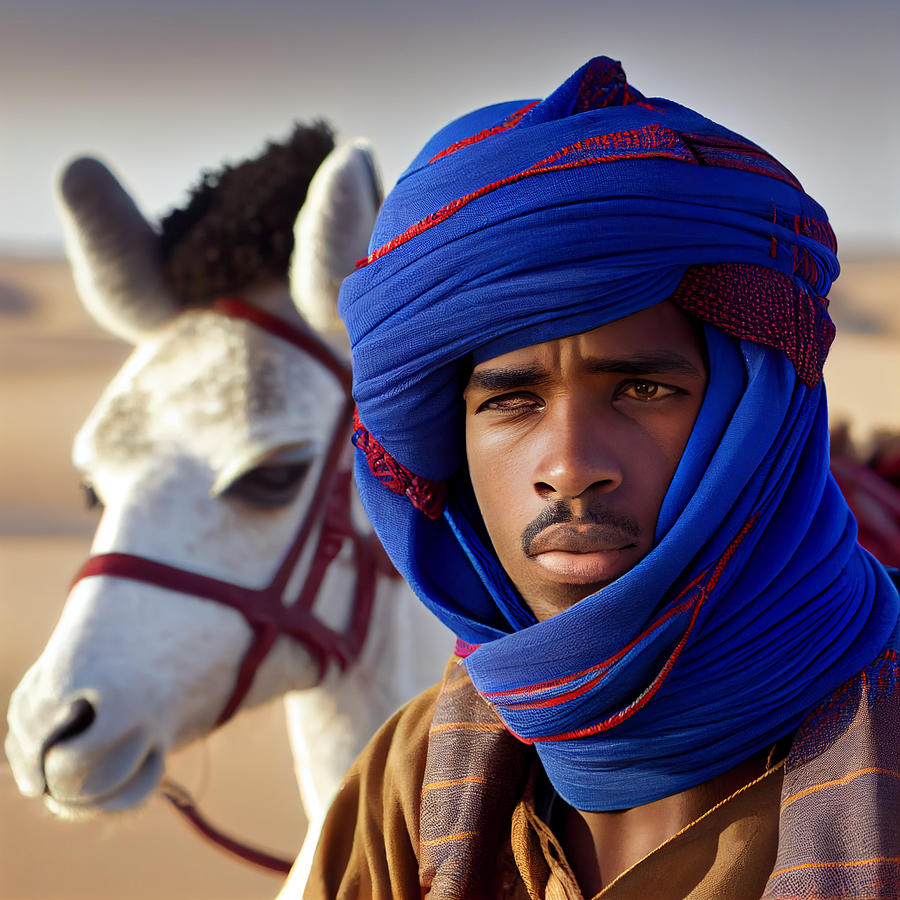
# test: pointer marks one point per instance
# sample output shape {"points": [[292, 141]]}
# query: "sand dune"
{"points": [[53, 364]]}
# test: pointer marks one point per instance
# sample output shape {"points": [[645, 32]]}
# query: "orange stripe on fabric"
{"points": [[446, 840], [836, 865], [474, 726], [872, 770], [437, 785]]}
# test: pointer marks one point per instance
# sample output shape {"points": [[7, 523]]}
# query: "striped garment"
{"points": [[837, 831]]}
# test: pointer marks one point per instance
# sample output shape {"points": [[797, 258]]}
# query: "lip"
{"points": [[601, 566], [582, 554], [127, 794], [580, 539]]}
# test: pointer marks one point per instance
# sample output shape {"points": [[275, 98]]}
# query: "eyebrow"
{"points": [[640, 364]]}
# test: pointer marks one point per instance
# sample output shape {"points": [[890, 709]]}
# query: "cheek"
{"points": [[501, 485], [664, 448]]}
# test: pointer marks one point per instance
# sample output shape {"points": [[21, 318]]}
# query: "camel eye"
{"points": [[269, 486], [91, 500]]}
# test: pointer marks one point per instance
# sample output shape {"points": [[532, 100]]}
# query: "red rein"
{"points": [[265, 608]]}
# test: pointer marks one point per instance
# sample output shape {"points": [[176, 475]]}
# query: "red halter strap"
{"points": [[265, 608]]}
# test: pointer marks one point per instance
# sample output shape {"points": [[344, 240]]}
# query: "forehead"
{"points": [[663, 327], [208, 386]]}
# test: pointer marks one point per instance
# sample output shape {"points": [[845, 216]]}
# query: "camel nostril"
{"points": [[77, 719]]}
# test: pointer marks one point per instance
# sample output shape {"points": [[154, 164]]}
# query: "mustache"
{"points": [[559, 513]]}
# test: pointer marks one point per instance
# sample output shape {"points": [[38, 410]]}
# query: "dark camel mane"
{"points": [[236, 230]]}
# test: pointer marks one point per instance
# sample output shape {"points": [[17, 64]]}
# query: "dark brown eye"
{"points": [[647, 390], [511, 403], [91, 500], [269, 485]]}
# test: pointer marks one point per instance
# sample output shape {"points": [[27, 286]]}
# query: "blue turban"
{"points": [[528, 221]]}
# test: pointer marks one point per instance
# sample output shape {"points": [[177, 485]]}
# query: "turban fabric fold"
{"points": [[527, 221]]}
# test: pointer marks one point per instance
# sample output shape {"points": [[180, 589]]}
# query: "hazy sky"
{"points": [[163, 89]]}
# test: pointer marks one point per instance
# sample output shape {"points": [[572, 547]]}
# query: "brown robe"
{"points": [[444, 804]]}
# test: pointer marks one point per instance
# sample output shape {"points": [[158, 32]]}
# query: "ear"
{"points": [[113, 251], [332, 231]]}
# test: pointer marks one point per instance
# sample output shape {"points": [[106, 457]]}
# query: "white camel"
{"points": [[208, 451]]}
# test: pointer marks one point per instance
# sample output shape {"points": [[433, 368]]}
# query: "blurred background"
{"points": [[166, 89]]}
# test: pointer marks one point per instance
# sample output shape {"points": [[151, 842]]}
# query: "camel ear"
{"points": [[114, 252], [332, 231]]}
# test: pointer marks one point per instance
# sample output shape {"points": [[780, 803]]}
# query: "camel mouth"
{"points": [[128, 794]]}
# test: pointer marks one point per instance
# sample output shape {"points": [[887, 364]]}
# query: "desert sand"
{"points": [[53, 364]]}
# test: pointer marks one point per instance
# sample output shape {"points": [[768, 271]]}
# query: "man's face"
{"points": [[571, 447]]}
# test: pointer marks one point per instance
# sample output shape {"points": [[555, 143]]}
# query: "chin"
{"points": [[545, 603]]}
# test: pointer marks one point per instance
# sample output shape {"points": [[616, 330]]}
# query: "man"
{"points": [[592, 434]]}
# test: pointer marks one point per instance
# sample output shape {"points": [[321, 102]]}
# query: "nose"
{"points": [[580, 451], [75, 721]]}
